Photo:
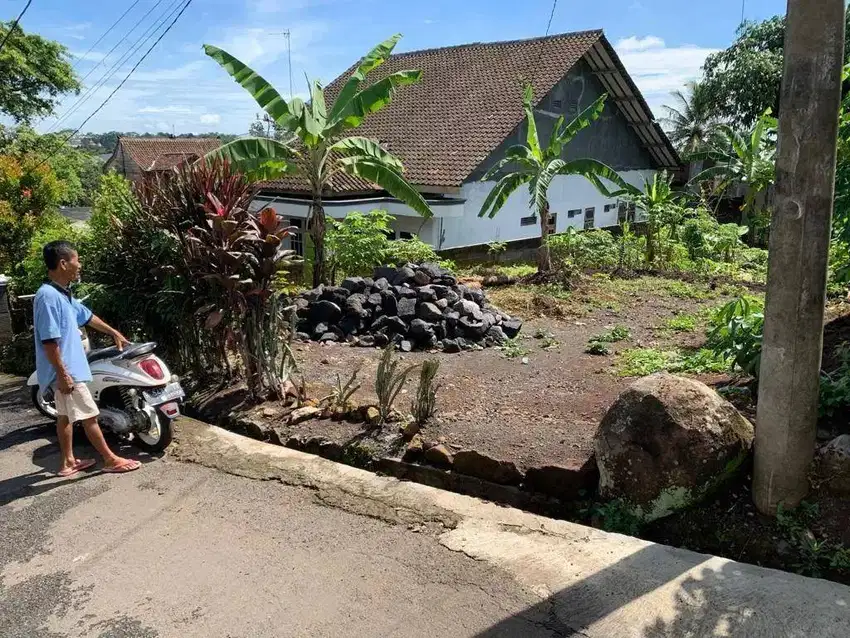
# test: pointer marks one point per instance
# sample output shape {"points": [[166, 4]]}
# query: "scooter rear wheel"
{"points": [[44, 402], [157, 438]]}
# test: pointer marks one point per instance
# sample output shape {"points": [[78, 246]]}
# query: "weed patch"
{"points": [[639, 362]]}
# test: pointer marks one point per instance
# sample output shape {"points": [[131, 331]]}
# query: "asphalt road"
{"points": [[177, 549]]}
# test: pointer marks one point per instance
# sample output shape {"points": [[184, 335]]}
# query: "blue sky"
{"points": [[661, 42]]}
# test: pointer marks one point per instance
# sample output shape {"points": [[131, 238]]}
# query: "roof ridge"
{"points": [[570, 34]]}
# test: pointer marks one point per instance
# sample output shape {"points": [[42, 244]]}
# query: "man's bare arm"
{"points": [[64, 381], [101, 326]]}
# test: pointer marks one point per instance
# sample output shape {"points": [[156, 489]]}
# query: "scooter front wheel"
{"points": [[43, 402], [157, 438]]}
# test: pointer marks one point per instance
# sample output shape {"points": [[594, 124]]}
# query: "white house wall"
{"points": [[565, 193]]}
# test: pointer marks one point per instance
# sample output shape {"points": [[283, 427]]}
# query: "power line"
{"points": [[106, 33], [117, 88], [15, 24], [543, 43], [146, 35]]}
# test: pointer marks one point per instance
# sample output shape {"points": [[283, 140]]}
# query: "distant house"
{"points": [[451, 127], [135, 157]]}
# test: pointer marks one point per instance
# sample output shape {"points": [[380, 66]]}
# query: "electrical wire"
{"points": [[106, 33], [15, 24], [543, 44], [146, 35], [117, 88]]}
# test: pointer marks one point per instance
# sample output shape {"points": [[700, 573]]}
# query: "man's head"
{"points": [[62, 261]]}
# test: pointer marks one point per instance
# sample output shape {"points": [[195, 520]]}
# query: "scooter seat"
{"points": [[103, 353]]}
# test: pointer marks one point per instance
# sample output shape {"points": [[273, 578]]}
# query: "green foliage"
{"points": [[681, 323], [18, 355], [616, 516], [513, 348], [341, 395], [617, 333], [661, 207], [597, 348], [839, 252], [357, 243], [31, 271], [595, 248], [692, 122], [389, 380], [34, 74], [323, 151], [814, 557], [496, 248], [639, 362], [424, 405], [413, 251], [736, 334], [835, 386]]}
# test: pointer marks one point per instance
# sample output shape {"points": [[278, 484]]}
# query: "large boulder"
{"points": [[667, 442]]}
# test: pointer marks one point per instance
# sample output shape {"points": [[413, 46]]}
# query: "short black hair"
{"points": [[56, 251]]}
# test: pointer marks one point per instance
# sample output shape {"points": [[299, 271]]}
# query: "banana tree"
{"points": [[745, 159], [661, 206], [323, 149], [536, 166]]}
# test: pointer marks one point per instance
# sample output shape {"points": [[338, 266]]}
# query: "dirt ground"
{"points": [[541, 407]]}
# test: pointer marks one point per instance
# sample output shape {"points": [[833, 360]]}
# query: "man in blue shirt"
{"points": [[61, 361]]}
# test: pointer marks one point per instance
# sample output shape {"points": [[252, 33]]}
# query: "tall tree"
{"points": [[692, 120], [749, 160], [742, 81], [537, 166], [34, 74], [323, 150]]}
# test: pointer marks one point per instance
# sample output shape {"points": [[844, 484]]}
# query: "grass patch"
{"points": [[640, 362], [514, 271], [513, 348], [681, 323], [617, 333]]}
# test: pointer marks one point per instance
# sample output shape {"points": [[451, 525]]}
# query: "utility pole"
{"points": [[799, 246], [288, 35]]}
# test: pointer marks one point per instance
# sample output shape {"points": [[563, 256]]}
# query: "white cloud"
{"points": [[165, 109], [635, 43], [658, 69], [210, 118]]}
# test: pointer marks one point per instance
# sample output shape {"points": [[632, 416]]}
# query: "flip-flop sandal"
{"points": [[78, 467], [129, 466]]}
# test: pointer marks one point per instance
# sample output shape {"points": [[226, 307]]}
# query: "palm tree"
{"points": [[748, 159], [537, 166], [323, 150], [691, 123]]}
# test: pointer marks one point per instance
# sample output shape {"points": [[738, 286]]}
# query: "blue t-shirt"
{"points": [[57, 315]]}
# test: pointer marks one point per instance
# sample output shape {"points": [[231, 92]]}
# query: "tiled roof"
{"points": [[160, 153], [468, 101]]}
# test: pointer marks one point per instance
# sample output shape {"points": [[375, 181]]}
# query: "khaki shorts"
{"points": [[77, 406]]}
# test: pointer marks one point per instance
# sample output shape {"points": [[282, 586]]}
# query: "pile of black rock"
{"points": [[415, 307]]}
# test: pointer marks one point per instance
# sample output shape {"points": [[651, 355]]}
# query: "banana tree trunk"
{"points": [[317, 233], [544, 256]]}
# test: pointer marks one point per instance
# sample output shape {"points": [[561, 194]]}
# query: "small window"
{"points": [[528, 221], [573, 213], [609, 207], [296, 240], [631, 213], [403, 234], [589, 215], [557, 104], [553, 222]]}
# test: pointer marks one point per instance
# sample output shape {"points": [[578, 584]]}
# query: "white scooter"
{"points": [[137, 395]]}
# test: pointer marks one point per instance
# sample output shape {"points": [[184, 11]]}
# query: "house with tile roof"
{"points": [[136, 157], [452, 126]]}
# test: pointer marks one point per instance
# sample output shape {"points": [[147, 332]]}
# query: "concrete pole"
{"points": [[799, 245]]}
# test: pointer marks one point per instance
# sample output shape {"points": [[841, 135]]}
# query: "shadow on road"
{"points": [[720, 601]]}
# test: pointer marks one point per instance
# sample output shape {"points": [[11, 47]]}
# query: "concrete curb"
{"points": [[591, 582]]}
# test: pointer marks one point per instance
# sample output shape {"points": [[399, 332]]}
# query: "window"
{"points": [[553, 219], [589, 215], [557, 104], [403, 234], [296, 240], [528, 221], [573, 213], [625, 212], [609, 207]]}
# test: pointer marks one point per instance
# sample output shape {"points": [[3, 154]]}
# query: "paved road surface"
{"points": [[177, 549]]}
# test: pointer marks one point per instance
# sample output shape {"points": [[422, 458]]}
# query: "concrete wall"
{"points": [[123, 164], [565, 193]]}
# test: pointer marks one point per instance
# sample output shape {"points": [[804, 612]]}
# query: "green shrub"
{"points": [[835, 386], [736, 334], [585, 249], [617, 333], [414, 251], [424, 405], [389, 381], [358, 243], [31, 272], [639, 362], [597, 348], [681, 323]]}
